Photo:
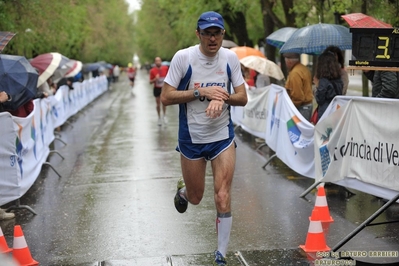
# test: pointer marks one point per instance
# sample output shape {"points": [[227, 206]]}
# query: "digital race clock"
{"points": [[375, 47]]}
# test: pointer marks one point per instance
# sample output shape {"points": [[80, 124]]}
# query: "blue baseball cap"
{"points": [[210, 19]]}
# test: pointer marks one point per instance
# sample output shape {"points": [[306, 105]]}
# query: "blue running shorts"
{"points": [[207, 151]]}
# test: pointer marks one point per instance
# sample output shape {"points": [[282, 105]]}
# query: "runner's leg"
{"points": [[194, 178], [158, 107], [223, 172], [164, 109]]}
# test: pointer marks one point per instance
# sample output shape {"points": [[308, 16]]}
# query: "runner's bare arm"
{"points": [[239, 97]]}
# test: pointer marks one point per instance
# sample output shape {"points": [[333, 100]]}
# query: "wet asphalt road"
{"points": [[113, 204]]}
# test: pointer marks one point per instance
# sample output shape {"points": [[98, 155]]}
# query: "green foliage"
{"points": [[315, 11], [164, 26], [254, 21], [308, 12], [93, 30], [86, 30]]}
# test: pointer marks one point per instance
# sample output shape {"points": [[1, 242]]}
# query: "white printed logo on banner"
{"points": [[324, 152], [296, 137]]}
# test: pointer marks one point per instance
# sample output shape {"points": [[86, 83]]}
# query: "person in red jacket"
{"points": [[157, 75], [10, 103], [23, 110]]}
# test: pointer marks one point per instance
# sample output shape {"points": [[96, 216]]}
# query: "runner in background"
{"points": [[157, 75], [131, 74]]}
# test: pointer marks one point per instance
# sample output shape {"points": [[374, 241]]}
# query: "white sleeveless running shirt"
{"points": [[194, 125]]}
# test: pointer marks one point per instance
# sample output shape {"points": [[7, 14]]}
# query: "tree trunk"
{"points": [[238, 27], [268, 25]]}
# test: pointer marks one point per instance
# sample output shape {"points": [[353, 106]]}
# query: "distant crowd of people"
{"points": [[330, 79], [21, 104]]}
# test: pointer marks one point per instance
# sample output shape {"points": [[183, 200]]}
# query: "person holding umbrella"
{"points": [[16, 105], [4, 97], [299, 84], [328, 81], [18, 79], [340, 58], [23, 110]]}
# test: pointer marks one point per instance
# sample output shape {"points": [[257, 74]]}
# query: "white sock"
{"points": [[182, 193], [223, 228]]}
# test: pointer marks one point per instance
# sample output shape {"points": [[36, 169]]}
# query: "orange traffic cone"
{"points": [[317, 217], [3, 244], [21, 252], [315, 240], [322, 214]]}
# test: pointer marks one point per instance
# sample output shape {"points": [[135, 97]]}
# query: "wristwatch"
{"points": [[196, 94]]}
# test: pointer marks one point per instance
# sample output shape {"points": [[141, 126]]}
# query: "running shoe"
{"points": [[180, 203], [219, 259], [159, 122]]}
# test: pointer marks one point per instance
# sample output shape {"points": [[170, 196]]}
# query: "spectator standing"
{"points": [[157, 76], [48, 87], [340, 59], [249, 76], [116, 72], [299, 84], [17, 105], [199, 80], [385, 83], [261, 80], [327, 80], [24, 110]]}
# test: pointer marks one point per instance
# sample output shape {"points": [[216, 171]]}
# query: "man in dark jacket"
{"points": [[385, 83]]}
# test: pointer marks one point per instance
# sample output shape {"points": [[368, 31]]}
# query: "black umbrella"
{"points": [[18, 78]]}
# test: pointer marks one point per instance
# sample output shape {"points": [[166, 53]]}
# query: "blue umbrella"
{"points": [[18, 76], [91, 67], [280, 36], [314, 39]]}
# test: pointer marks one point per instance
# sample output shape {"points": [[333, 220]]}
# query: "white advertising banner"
{"points": [[237, 114], [337, 103], [288, 133], [25, 141], [10, 176], [254, 113], [353, 145], [60, 106], [358, 141], [25, 157]]}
